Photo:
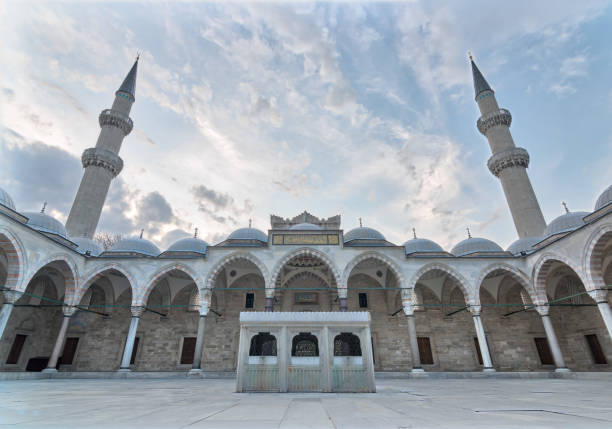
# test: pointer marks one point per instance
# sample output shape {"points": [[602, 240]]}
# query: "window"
{"points": [[16, 348], [263, 344], [596, 351], [69, 351], [425, 350], [305, 344], [544, 351], [134, 350], [188, 351], [347, 344], [363, 300], [250, 300]]}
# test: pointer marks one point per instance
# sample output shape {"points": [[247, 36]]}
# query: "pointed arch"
{"points": [[593, 256], [390, 263], [140, 298], [541, 269], [513, 272], [461, 281], [98, 272], [306, 251], [15, 255], [303, 273], [68, 270], [212, 274]]}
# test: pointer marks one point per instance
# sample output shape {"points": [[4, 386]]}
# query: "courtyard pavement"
{"points": [[210, 403]]}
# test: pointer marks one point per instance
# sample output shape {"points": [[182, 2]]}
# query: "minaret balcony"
{"points": [[116, 119], [516, 157], [102, 158], [493, 119]]}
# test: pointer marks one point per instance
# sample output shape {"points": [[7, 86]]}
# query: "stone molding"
{"points": [[117, 119], [68, 310], [543, 309], [493, 119], [517, 157], [599, 295], [475, 310], [11, 296], [302, 317], [102, 158], [137, 311]]}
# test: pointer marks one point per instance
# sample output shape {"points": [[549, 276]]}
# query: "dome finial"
{"points": [[565, 207], [43, 207], [360, 223], [141, 232], [195, 233], [137, 56], [470, 55], [468, 231], [250, 223], [414, 233]]}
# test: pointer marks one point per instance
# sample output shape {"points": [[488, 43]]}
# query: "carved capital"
{"points": [[11, 296], [475, 310], [543, 309], [599, 295], [204, 309], [408, 309], [517, 157], [102, 158], [137, 311], [68, 310], [117, 119], [493, 119]]}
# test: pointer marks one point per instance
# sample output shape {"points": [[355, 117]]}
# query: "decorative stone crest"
{"points": [[490, 120], [102, 158], [517, 157], [116, 119]]}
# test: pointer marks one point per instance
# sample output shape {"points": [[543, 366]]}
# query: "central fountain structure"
{"points": [[305, 352]]}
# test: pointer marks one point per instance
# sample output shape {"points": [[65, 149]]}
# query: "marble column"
{"points": [[197, 358], [552, 338], [131, 337], [269, 304], [10, 297], [283, 352], [61, 338], [600, 297], [482, 339], [342, 303], [326, 355], [412, 337]]}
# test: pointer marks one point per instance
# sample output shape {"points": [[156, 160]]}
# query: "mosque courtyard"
{"points": [[398, 403]]}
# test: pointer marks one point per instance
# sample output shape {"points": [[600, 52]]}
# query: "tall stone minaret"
{"points": [[102, 163], [508, 162]]}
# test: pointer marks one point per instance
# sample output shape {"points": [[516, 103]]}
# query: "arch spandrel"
{"points": [[100, 271], [306, 251], [461, 281], [16, 257], [595, 245], [542, 268], [384, 259], [140, 298], [209, 283], [516, 274], [70, 275]]}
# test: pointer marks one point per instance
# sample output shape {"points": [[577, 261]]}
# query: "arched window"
{"points": [[304, 345], [263, 344], [347, 344]]}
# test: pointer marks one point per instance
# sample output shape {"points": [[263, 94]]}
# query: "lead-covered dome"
{"points": [[422, 245], [524, 244], [6, 200], [475, 245], [306, 227], [604, 199], [565, 223], [189, 245], [363, 233], [248, 234], [87, 245], [44, 223], [134, 245]]}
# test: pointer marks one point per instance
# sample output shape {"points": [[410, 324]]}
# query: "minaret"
{"points": [[508, 162], [102, 163]]}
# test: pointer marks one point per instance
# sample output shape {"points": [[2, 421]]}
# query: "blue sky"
{"points": [[361, 109]]}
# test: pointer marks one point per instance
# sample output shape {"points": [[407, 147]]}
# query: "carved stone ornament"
{"points": [[102, 158], [116, 119], [490, 120], [517, 157]]}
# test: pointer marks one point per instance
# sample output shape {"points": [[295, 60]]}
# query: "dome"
{"points": [[604, 199], [475, 245], [6, 200], [306, 227], [87, 245], [190, 244], [135, 245], [363, 233], [523, 245], [248, 234], [565, 223], [421, 245], [44, 223]]}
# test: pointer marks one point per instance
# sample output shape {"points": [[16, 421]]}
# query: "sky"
{"points": [[247, 109]]}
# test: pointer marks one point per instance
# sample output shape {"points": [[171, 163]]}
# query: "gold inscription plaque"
{"points": [[313, 239]]}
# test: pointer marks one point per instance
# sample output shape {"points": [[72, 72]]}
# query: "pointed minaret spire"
{"points": [[480, 83], [129, 83]]}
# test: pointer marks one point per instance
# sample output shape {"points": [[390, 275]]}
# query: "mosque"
{"points": [[69, 305]]}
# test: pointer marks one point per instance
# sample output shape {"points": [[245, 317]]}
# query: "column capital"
{"points": [[11, 296], [475, 310], [342, 292], [137, 310], [408, 309], [68, 310], [204, 309], [599, 295], [270, 292], [543, 309]]}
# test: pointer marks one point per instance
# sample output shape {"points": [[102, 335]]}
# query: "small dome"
{"points": [[87, 245], [363, 233], [190, 244], [44, 223], [6, 200], [306, 227], [421, 245], [248, 234], [565, 223], [475, 245], [523, 245], [604, 199], [135, 245]]}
